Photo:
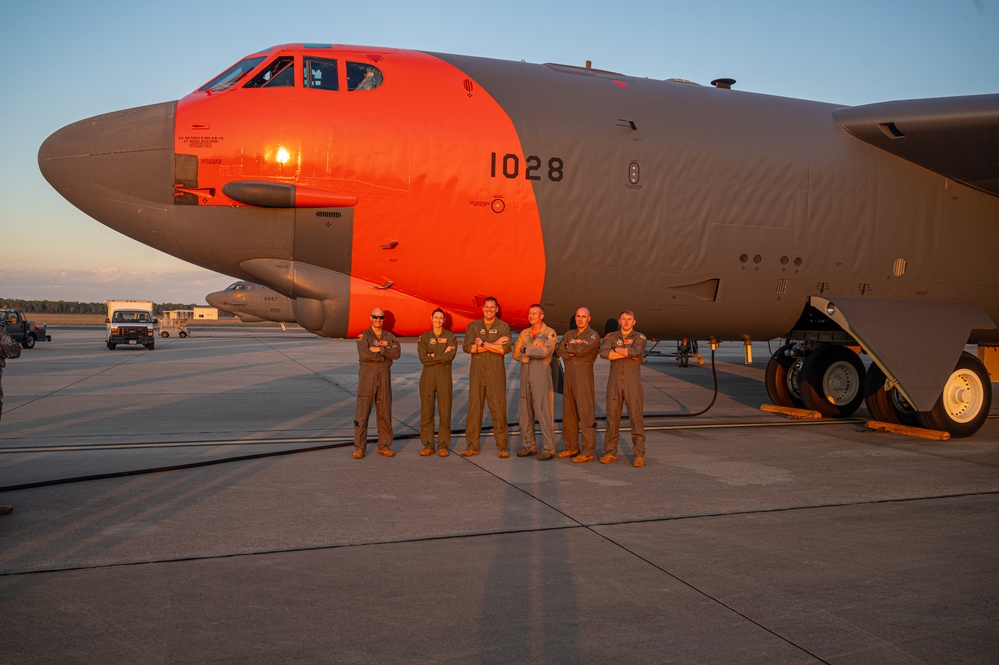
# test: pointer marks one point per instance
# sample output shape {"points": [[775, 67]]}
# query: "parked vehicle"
{"points": [[174, 321], [130, 322], [24, 331]]}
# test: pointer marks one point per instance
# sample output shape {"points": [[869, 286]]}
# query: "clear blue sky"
{"points": [[67, 60]]}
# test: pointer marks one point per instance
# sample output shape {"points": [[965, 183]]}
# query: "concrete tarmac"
{"points": [[199, 504]]}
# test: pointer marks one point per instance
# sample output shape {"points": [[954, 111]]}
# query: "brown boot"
{"points": [[568, 453], [608, 459]]}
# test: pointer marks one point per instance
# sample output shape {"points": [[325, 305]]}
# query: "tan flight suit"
{"points": [[8, 349], [624, 387], [486, 382], [537, 398], [374, 383], [579, 351], [435, 382]]}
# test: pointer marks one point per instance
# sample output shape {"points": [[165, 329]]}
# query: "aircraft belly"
{"points": [[323, 237]]}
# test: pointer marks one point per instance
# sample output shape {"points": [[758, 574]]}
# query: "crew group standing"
{"points": [[488, 340]]}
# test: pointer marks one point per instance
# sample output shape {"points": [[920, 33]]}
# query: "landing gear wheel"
{"points": [[831, 381], [782, 379], [888, 406], [965, 401]]}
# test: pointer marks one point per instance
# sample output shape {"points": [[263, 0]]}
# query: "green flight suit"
{"points": [[435, 383], [579, 352], [624, 387], [487, 382], [374, 384]]}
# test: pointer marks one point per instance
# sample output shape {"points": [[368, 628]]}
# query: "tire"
{"points": [[164, 333], [151, 346], [888, 406], [965, 401], [29, 341], [832, 381], [781, 379], [183, 334], [111, 346]]}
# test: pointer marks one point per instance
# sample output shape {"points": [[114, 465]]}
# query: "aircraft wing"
{"points": [[957, 137]]}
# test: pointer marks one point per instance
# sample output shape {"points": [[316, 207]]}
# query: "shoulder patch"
{"points": [[641, 335]]}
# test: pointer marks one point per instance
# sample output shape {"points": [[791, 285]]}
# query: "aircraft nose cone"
{"points": [[216, 299], [117, 167]]}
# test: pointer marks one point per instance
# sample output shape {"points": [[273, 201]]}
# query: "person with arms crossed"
{"points": [[437, 348], [578, 349], [625, 348], [376, 349], [488, 341], [533, 351]]}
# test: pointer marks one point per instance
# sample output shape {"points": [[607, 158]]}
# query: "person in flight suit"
{"points": [[8, 349], [437, 348], [488, 341], [376, 349], [533, 350], [625, 349], [578, 349]]}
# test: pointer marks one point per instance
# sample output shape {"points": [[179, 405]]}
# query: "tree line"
{"points": [[69, 307]]}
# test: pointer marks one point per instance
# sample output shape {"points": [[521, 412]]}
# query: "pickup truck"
{"points": [[23, 331]]}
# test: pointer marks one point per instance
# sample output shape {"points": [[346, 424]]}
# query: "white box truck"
{"points": [[130, 322]]}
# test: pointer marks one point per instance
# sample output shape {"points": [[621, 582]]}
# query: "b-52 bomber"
{"points": [[345, 177], [252, 303]]}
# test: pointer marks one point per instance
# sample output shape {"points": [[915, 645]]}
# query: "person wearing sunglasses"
{"points": [[376, 349]]}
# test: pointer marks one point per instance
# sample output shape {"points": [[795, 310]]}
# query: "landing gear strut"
{"points": [[887, 404]]}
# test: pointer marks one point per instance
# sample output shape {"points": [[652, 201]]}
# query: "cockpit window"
{"points": [[279, 74], [320, 73], [363, 77], [225, 80], [238, 286]]}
